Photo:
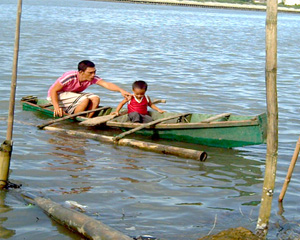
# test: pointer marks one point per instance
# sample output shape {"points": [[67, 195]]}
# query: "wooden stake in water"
{"points": [[6, 147], [290, 171], [272, 110]]}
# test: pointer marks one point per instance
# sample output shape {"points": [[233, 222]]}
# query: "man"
{"points": [[67, 95]]}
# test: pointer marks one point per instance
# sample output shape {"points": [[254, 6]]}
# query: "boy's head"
{"points": [[140, 85], [139, 88]]}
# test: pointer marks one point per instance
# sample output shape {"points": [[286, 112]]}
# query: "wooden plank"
{"points": [[118, 137], [100, 120], [188, 125], [70, 116], [214, 118], [46, 105]]}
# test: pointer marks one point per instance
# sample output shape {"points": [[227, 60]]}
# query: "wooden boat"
{"points": [[223, 130], [45, 108]]}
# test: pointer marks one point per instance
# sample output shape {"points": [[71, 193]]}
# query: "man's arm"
{"points": [[54, 98], [113, 87]]}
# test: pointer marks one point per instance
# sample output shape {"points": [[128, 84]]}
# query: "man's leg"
{"points": [[82, 106], [135, 117], [93, 104]]}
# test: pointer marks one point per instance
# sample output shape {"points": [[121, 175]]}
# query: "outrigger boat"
{"points": [[223, 130]]}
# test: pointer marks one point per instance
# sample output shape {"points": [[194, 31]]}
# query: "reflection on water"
{"points": [[69, 156], [288, 228], [5, 233]]}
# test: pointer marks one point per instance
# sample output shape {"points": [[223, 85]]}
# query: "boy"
{"points": [[137, 105]]}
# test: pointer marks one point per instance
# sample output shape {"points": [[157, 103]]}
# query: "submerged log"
{"points": [[76, 221], [148, 146]]}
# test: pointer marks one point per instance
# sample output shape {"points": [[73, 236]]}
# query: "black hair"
{"points": [[140, 85], [83, 65]]}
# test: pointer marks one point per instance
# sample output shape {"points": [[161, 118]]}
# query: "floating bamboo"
{"points": [[272, 112], [6, 146], [290, 171], [70, 116], [76, 221], [148, 146]]}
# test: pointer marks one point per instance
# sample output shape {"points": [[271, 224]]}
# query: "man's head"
{"points": [[87, 70], [139, 88]]}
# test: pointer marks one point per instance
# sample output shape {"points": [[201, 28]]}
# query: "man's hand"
{"points": [[126, 94], [161, 111], [58, 112]]}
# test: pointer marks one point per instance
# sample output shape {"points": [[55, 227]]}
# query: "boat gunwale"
{"points": [[250, 122], [40, 108]]}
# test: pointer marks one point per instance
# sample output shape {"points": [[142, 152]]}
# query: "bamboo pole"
{"points": [[148, 146], [6, 147], [10, 119], [290, 171], [142, 126], [5, 154], [272, 110], [76, 221]]}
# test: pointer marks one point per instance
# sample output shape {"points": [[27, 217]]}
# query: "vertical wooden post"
{"points": [[6, 147], [290, 171], [272, 110]]}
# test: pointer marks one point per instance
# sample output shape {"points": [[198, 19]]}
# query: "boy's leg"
{"points": [[146, 118], [135, 117]]}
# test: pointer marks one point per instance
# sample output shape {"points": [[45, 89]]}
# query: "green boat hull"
{"points": [[214, 137], [236, 131]]}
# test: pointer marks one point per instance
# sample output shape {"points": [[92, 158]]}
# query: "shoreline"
{"points": [[186, 3]]}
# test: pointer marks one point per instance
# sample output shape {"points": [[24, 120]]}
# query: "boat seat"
{"points": [[214, 118]]}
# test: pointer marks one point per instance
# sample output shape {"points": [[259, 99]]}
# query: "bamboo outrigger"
{"points": [[223, 130]]}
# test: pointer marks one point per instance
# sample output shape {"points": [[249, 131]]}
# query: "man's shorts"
{"points": [[69, 101]]}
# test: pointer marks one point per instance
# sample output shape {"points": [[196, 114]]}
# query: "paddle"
{"points": [[99, 120], [70, 116], [103, 119], [118, 137]]}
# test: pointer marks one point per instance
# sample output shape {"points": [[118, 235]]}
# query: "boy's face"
{"points": [[139, 93]]}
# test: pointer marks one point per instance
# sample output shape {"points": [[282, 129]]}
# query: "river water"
{"points": [[200, 60]]}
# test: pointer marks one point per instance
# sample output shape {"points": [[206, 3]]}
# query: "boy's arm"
{"points": [[153, 106], [119, 107]]}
